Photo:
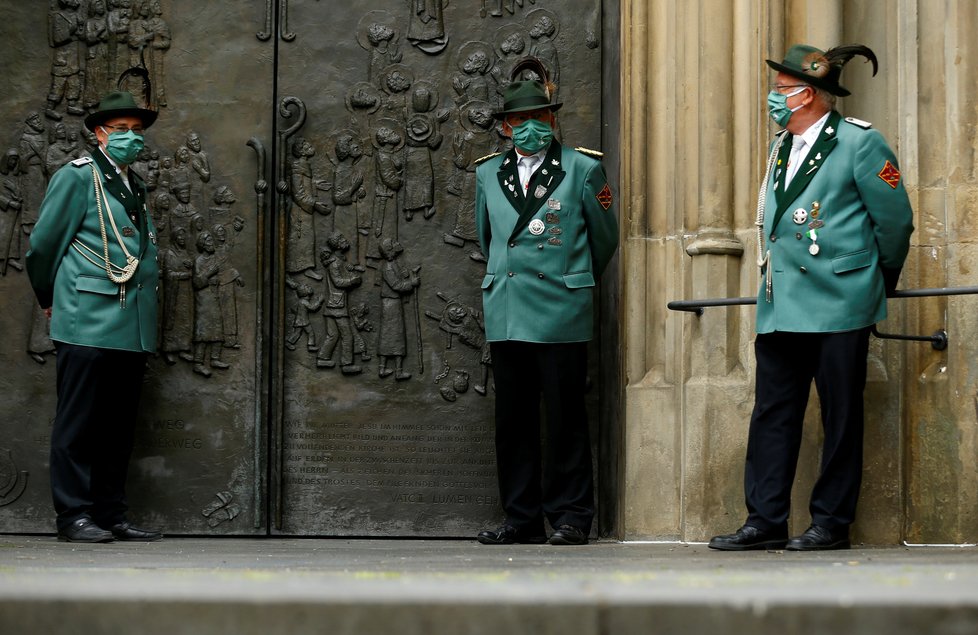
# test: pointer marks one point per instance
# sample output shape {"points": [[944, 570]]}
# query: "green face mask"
{"points": [[532, 135], [124, 147]]}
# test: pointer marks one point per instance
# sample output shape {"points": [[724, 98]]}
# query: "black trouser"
{"points": [[556, 482], [92, 437], [786, 365]]}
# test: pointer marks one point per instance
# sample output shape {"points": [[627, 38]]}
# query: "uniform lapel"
{"points": [[827, 140], [544, 181], [509, 181]]}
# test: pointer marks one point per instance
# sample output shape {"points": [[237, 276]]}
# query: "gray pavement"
{"points": [[338, 586]]}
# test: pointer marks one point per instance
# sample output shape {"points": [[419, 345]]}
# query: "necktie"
{"points": [[526, 171], [795, 158]]}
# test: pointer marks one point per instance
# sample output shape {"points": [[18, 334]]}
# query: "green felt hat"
{"points": [[523, 96], [822, 68], [119, 104]]}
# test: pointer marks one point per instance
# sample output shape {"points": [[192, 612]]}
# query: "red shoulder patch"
{"points": [[890, 175], [605, 197]]}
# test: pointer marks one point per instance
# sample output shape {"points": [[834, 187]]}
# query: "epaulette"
{"points": [[591, 153], [482, 160], [80, 161], [859, 122]]}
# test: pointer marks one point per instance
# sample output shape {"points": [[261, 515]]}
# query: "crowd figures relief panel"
{"points": [[382, 259]]}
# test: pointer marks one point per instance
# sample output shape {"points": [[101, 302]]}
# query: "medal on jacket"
{"points": [[536, 227], [540, 192]]}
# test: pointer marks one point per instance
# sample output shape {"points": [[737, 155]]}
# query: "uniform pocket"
{"points": [[579, 280], [487, 280], [851, 262], [102, 286]]}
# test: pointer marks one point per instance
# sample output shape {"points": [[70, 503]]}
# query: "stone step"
{"points": [[406, 587]]}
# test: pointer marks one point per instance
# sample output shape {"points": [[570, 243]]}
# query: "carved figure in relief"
{"points": [[228, 279], [11, 203], [475, 60], [301, 251], [118, 27], [341, 278], [543, 27], [397, 283], [159, 43], [221, 510], [178, 299], [423, 136], [62, 149], [147, 165], [388, 178], [397, 81], [165, 182], [97, 55], [184, 214], [348, 191], [305, 305], [33, 154], [511, 46], [199, 163], [466, 323], [474, 140], [160, 209], [208, 323], [509, 5], [426, 25], [377, 34], [39, 341], [65, 30]]}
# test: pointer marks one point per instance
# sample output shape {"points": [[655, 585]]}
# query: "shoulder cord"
{"points": [[124, 273], [764, 257]]}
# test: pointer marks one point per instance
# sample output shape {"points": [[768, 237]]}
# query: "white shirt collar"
{"points": [[811, 135]]}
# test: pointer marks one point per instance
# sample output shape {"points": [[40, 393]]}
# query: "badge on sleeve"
{"points": [[605, 197], [890, 175]]}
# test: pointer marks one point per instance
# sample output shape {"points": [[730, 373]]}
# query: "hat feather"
{"points": [[840, 55], [537, 67]]}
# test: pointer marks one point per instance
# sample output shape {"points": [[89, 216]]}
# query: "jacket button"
{"points": [[512, 244], [139, 286], [510, 274], [540, 275], [802, 269], [798, 235], [540, 246], [774, 238]]}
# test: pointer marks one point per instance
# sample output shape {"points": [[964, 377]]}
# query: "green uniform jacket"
{"points": [[863, 223], [87, 308], [544, 249]]}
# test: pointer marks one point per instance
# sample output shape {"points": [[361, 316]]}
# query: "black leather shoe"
{"points": [[126, 532], [818, 538], [568, 535], [749, 538], [508, 535], [84, 530]]}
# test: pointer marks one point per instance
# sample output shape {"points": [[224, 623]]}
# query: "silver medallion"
{"points": [[799, 216], [553, 203], [540, 192], [537, 227], [813, 249]]}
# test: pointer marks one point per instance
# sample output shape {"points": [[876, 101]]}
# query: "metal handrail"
{"points": [[938, 340]]}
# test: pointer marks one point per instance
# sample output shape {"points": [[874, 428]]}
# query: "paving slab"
{"points": [[337, 586]]}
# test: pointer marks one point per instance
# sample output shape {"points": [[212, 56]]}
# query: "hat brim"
{"points": [[512, 111], [818, 82], [148, 117]]}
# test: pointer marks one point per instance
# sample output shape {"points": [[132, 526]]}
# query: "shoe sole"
{"points": [[155, 539], [88, 542], [769, 545], [536, 540], [842, 544]]}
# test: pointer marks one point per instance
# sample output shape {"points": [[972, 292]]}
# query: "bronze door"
{"points": [[331, 377]]}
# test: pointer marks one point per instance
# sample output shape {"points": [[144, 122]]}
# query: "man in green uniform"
{"points": [[547, 226], [93, 265], [834, 231]]}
